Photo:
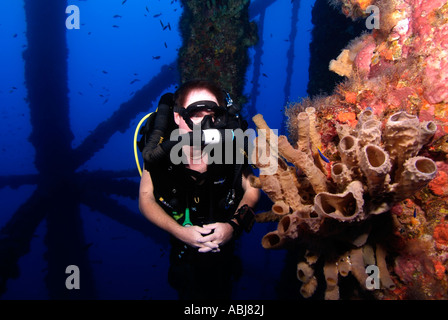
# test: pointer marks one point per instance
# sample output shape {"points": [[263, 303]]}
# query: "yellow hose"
{"points": [[135, 142]]}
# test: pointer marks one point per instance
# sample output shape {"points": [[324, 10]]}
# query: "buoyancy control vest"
{"points": [[190, 197], [196, 198]]}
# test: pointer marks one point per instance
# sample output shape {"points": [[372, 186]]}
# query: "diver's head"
{"points": [[200, 103]]}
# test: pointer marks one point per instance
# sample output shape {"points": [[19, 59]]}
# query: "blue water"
{"points": [[107, 66]]}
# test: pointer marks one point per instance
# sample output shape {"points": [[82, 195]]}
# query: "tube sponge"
{"points": [[303, 142], [302, 161], [341, 175], [417, 173], [330, 216], [271, 186], [331, 278], [332, 293], [348, 150], [290, 191], [331, 274], [280, 208], [427, 131], [308, 289], [385, 279], [343, 206], [314, 135], [287, 226], [272, 240], [358, 267], [315, 138], [375, 165], [344, 265], [370, 132], [364, 116], [304, 272], [401, 137]]}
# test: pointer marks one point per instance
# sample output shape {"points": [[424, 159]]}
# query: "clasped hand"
{"points": [[209, 237]]}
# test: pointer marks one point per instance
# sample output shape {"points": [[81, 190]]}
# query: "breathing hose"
{"points": [[135, 142]]}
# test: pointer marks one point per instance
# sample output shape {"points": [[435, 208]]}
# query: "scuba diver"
{"points": [[203, 206]]}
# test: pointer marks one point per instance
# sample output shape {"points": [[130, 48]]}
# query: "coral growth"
{"points": [[361, 177], [216, 35], [340, 202]]}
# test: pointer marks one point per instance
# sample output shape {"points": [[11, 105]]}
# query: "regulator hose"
{"points": [[153, 150]]}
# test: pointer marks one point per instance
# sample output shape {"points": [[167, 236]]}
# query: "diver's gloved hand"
{"points": [[167, 99]]}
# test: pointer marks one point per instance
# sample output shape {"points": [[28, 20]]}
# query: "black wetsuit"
{"points": [[193, 274]]}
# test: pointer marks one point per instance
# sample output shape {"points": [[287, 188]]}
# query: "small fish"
{"points": [[155, 57], [322, 156], [157, 15], [264, 75], [415, 212], [117, 16], [134, 81], [161, 23], [147, 9], [105, 101], [14, 35], [165, 27], [124, 1], [169, 26], [165, 45], [104, 71], [115, 26]]}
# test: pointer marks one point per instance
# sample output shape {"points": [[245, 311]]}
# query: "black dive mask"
{"points": [[217, 120]]}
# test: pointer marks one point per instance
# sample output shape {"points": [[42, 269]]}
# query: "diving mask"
{"points": [[213, 116]]}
